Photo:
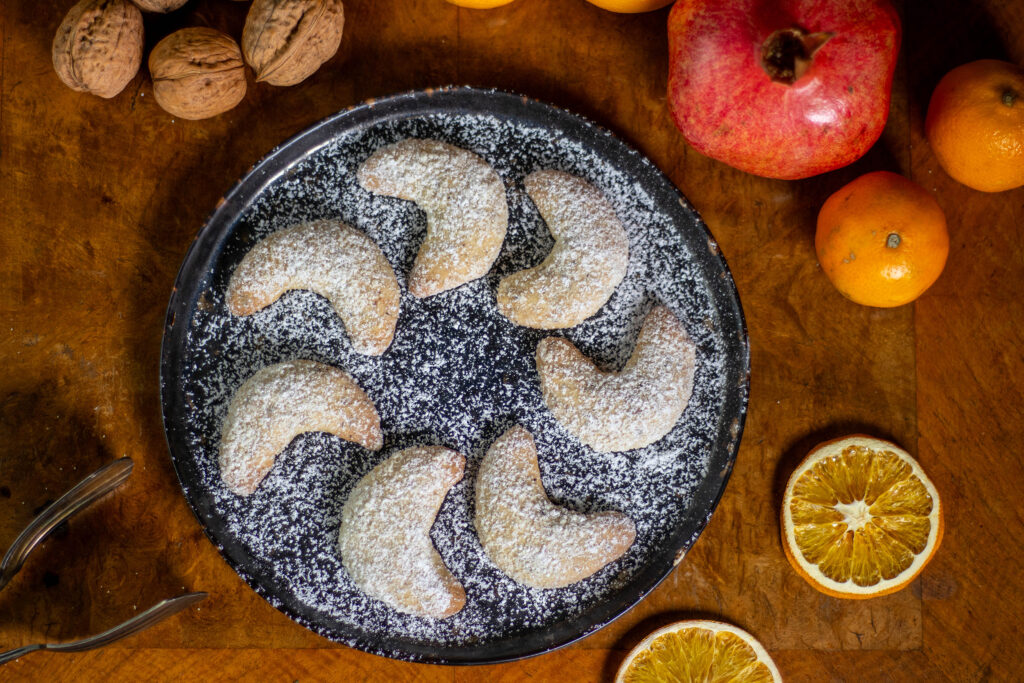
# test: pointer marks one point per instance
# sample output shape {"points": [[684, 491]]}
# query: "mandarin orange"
{"points": [[975, 125], [882, 240], [479, 4], [630, 6]]}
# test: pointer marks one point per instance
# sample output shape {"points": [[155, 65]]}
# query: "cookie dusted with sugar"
{"points": [[282, 401], [384, 538], [587, 263], [619, 411], [531, 539], [333, 260], [464, 199]]}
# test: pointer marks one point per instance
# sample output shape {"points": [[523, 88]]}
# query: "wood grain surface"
{"points": [[99, 200]]}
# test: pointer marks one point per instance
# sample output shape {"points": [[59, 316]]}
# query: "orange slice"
{"points": [[699, 651], [860, 518]]}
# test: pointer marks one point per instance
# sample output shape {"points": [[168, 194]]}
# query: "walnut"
{"points": [[98, 47], [197, 73], [285, 41], [159, 6]]}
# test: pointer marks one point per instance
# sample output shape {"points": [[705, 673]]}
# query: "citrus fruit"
{"points": [[882, 240], [975, 125], [860, 518], [698, 651], [479, 4], [630, 6]]}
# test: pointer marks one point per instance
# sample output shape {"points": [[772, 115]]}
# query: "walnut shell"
{"points": [[285, 41], [98, 47], [197, 73], [159, 6]]}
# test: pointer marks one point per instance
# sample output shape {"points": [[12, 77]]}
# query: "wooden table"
{"points": [[100, 199]]}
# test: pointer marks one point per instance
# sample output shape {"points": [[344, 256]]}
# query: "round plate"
{"points": [[457, 374]]}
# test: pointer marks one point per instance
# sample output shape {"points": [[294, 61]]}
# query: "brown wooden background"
{"points": [[99, 201]]}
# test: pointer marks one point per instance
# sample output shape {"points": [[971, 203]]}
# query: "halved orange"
{"points": [[698, 650], [860, 518]]}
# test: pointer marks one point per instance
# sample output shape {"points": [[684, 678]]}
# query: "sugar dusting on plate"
{"points": [[457, 374]]}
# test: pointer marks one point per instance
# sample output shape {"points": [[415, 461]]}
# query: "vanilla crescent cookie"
{"points": [[464, 199], [619, 411], [282, 401], [331, 259], [587, 263], [385, 532], [531, 539]]}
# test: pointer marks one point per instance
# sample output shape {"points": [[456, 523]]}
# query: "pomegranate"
{"points": [[782, 88]]}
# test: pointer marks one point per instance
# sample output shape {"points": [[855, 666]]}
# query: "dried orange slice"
{"points": [[860, 518], [698, 651]]}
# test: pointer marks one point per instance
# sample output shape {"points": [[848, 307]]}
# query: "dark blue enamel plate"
{"points": [[457, 374]]}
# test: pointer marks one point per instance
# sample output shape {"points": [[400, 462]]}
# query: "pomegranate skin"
{"points": [[727, 105]]}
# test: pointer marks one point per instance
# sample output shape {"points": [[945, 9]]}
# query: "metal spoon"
{"points": [[93, 487], [139, 622]]}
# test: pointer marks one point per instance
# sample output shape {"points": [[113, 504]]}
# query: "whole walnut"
{"points": [[98, 47], [160, 6], [285, 41], [197, 73]]}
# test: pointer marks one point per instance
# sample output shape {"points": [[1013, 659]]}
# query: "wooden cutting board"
{"points": [[99, 200]]}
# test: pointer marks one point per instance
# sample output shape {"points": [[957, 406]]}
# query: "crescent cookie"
{"points": [[385, 532], [464, 199], [333, 260], [282, 401], [587, 263], [531, 539], [619, 411]]}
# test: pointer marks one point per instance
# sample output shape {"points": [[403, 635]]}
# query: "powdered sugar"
{"points": [[464, 202], [628, 409], [532, 540], [457, 374], [333, 260], [385, 532], [587, 263], [282, 401]]}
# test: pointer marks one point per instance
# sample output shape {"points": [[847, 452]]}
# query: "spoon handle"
{"points": [[11, 655], [93, 487], [139, 622]]}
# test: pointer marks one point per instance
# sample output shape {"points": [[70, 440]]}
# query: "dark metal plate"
{"points": [[457, 374]]}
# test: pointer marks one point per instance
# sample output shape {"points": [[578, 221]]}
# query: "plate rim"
{"points": [[218, 225]]}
